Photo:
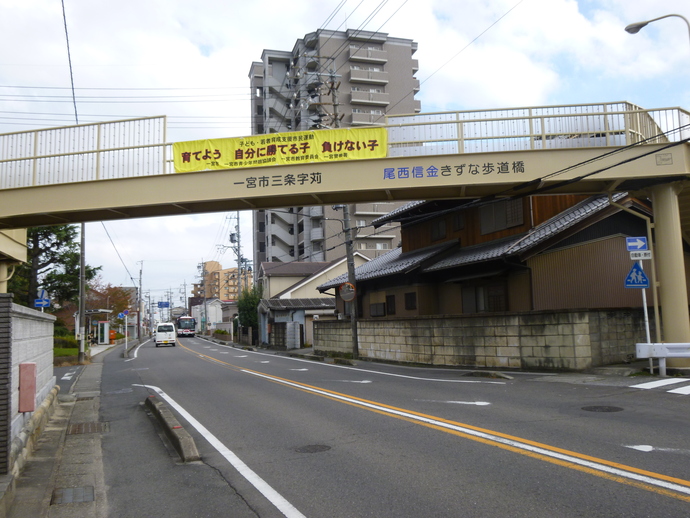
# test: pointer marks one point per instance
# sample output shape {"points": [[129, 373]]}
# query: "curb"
{"points": [[180, 438]]}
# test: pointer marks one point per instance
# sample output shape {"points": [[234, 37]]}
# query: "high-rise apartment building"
{"points": [[330, 79], [221, 283]]}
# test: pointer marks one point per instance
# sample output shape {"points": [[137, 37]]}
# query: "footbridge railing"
{"points": [[138, 147]]}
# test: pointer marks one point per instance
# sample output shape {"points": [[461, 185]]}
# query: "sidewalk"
{"points": [[64, 475]]}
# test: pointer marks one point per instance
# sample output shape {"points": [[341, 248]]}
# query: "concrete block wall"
{"points": [[562, 340], [32, 341]]}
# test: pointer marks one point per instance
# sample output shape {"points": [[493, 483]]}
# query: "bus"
{"points": [[186, 326]]}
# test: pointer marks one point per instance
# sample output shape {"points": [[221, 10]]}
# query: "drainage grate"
{"points": [[95, 427], [73, 495], [602, 408], [313, 448]]}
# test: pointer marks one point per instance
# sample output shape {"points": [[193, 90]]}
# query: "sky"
{"points": [[190, 61]]}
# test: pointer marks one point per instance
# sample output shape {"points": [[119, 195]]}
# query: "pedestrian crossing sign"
{"points": [[636, 278]]}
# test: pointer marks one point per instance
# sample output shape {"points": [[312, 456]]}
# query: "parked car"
{"points": [[165, 334]]}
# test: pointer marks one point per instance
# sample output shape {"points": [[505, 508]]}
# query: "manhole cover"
{"points": [[313, 448], [602, 408]]}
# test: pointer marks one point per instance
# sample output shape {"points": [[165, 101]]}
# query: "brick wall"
{"points": [[562, 340]]}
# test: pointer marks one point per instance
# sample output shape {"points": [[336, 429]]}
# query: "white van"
{"points": [[165, 334]]}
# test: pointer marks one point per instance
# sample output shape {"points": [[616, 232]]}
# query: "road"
{"points": [[297, 438]]}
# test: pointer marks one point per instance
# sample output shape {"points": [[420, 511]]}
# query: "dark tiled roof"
{"points": [[515, 245], [389, 264], [396, 262], [315, 303], [398, 211]]}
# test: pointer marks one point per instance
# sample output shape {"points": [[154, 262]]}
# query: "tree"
{"points": [[52, 263], [247, 307], [107, 296]]}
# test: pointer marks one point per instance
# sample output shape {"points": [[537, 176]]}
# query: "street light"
{"points": [[634, 28]]}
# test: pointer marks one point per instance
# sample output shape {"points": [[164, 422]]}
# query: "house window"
{"points": [[390, 304], [458, 221], [487, 298], [438, 229], [381, 246], [411, 300], [378, 309], [500, 215]]}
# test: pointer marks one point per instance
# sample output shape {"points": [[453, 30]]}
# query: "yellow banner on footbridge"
{"points": [[300, 147]]}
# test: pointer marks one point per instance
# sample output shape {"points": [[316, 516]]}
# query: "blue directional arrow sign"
{"points": [[636, 278], [634, 244], [41, 303]]}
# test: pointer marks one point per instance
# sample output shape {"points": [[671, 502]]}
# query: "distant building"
{"points": [[329, 79], [220, 283]]}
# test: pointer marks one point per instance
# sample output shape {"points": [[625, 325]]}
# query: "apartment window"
{"points": [[376, 112], [438, 230], [500, 216], [378, 309], [382, 246], [411, 300], [361, 222], [262, 226], [390, 304], [355, 67]]}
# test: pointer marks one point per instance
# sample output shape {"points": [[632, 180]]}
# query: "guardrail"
{"points": [[662, 351]]}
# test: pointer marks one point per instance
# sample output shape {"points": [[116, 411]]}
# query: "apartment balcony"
{"points": [[415, 85], [370, 98], [368, 76], [415, 66], [316, 211], [317, 234], [366, 119], [368, 55]]}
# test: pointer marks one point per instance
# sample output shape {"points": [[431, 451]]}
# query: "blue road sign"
{"points": [[634, 244], [120, 315], [165, 304], [636, 278], [41, 303]]}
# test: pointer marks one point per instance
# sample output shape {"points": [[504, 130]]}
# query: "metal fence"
{"points": [[534, 128], [86, 152], [137, 147]]}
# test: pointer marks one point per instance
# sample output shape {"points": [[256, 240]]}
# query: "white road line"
{"points": [[478, 403], [682, 390], [271, 494], [647, 448], [68, 376], [486, 435], [136, 351], [660, 383]]}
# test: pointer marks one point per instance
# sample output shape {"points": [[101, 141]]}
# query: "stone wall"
{"points": [[32, 341], [561, 340]]}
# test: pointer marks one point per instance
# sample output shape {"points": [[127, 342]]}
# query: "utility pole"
{"points": [[140, 301], [82, 290], [349, 248]]}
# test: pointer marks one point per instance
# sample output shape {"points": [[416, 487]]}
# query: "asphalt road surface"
{"points": [[286, 437]]}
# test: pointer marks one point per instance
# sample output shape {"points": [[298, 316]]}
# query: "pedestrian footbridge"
{"points": [[126, 169]]}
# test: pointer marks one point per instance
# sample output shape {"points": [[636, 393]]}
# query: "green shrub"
{"points": [[65, 342], [221, 332]]}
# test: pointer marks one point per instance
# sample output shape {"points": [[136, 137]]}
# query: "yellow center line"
{"points": [[613, 471]]}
